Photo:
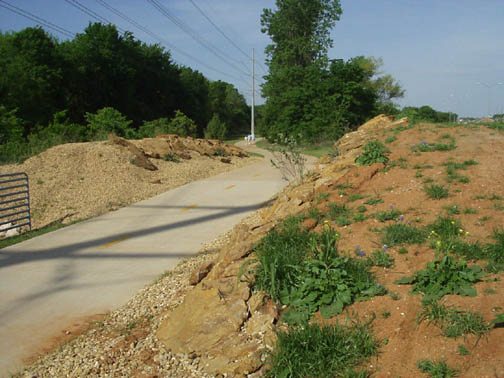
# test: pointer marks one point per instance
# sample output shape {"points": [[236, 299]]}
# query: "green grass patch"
{"points": [[387, 215], [255, 154], [381, 258], [355, 197], [390, 139], [436, 369], [373, 201], [430, 147], [452, 321], [399, 233], [321, 197], [436, 191], [322, 351]]}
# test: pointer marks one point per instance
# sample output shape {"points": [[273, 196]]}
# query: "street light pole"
{"points": [[489, 86]]}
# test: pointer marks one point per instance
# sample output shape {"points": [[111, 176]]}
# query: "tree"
{"points": [[31, 75], [297, 57], [182, 125], [216, 129], [108, 121]]}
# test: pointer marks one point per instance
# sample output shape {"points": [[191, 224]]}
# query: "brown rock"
{"points": [[225, 160], [140, 160], [309, 224], [200, 273], [202, 321]]}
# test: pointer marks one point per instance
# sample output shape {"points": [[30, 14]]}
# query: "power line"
{"points": [[195, 36], [92, 14], [162, 40], [36, 19], [219, 29]]}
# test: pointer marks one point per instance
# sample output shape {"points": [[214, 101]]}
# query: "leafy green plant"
{"points": [[399, 233], [322, 197], [381, 258], [374, 152], [387, 215], [322, 351], [390, 139], [325, 281], [453, 321], [355, 197], [171, 157], [444, 276], [437, 369], [220, 152], [436, 191]]}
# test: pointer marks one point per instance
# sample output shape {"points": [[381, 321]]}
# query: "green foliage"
{"points": [[444, 276], [390, 139], [374, 152], [430, 147], [322, 351], [436, 191], [399, 233], [437, 369], [216, 129], [171, 157], [151, 129], [182, 125], [374, 201], [381, 258], [387, 215], [327, 282], [108, 121], [453, 321], [282, 249]]}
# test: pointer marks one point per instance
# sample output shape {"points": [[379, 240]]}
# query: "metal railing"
{"points": [[14, 201]]}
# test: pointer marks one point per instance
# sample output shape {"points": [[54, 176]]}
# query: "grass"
{"points": [[436, 191], [40, 231], [381, 258], [340, 214], [399, 233], [316, 149], [452, 321], [323, 351], [373, 201], [430, 147], [250, 153], [384, 216], [437, 369]]}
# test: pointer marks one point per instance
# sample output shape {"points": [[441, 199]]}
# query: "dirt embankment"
{"points": [[220, 326], [83, 180]]}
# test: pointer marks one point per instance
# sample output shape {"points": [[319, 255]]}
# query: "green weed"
{"points": [[399, 233], [437, 369], [381, 258], [462, 350], [436, 191], [321, 197], [374, 152], [444, 276], [452, 321], [390, 139], [388, 215], [355, 197], [322, 351], [374, 201]]}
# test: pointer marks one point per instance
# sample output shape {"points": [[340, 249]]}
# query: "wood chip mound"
{"points": [[82, 180]]}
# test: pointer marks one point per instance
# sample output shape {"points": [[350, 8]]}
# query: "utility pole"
{"points": [[489, 86], [252, 125]]}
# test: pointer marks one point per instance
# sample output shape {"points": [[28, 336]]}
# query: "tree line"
{"points": [[101, 81], [309, 96]]}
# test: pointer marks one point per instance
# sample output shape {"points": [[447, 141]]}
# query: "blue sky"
{"points": [[437, 49]]}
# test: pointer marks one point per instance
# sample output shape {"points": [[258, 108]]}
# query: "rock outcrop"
{"points": [[221, 320]]}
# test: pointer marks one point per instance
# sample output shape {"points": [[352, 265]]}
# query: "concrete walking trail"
{"points": [[56, 281]]}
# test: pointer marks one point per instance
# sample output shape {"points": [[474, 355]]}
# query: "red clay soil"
{"points": [[401, 188]]}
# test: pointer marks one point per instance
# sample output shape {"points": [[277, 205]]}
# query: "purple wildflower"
{"points": [[361, 253], [384, 248], [401, 218]]}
